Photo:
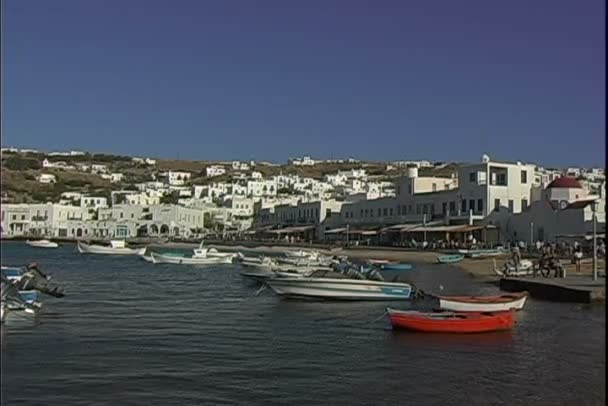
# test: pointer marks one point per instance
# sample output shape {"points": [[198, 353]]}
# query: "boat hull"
{"points": [[449, 259], [340, 289], [42, 244], [483, 304], [165, 259], [98, 249], [396, 267], [451, 322]]}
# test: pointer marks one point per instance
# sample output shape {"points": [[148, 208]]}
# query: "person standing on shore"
{"points": [[578, 256]]}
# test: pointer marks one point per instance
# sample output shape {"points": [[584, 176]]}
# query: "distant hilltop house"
{"points": [[147, 161], [175, 178], [417, 164], [304, 161], [215, 170], [113, 177], [68, 153], [59, 165], [46, 178], [241, 166], [98, 168]]}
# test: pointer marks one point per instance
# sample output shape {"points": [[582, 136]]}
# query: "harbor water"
{"points": [[136, 333]]}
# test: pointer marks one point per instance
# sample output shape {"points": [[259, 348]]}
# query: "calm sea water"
{"points": [[130, 332]]}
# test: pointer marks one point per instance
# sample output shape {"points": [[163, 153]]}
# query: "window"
{"points": [[524, 204], [511, 206], [496, 204], [361, 214], [434, 187], [463, 207], [452, 207], [444, 207], [398, 210], [391, 211], [327, 213], [480, 205], [132, 215], [379, 212], [14, 217], [472, 177], [524, 177], [385, 212], [23, 217], [472, 205]]}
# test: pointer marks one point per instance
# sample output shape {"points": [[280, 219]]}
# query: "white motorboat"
{"points": [[42, 244], [183, 260], [117, 247], [302, 254], [342, 289]]}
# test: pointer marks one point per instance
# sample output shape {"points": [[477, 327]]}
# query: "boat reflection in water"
{"points": [[496, 341]]}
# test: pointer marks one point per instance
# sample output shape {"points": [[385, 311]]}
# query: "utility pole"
{"points": [[531, 233], [593, 207], [424, 225], [347, 230]]}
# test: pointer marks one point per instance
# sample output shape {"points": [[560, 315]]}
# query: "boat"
{"points": [[451, 322], [302, 254], [450, 259], [395, 266], [117, 247], [42, 243], [481, 253], [264, 275], [514, 301], [183, 260], [342, 289], [525, 268]]}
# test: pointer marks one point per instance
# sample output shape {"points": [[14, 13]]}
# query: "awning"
{"points": [[445, 229], [291, 230], [336, 230]]}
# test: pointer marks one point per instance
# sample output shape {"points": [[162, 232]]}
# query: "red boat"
{"points": [[451, 322]]}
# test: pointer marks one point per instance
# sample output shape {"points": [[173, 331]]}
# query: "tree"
{"points": [[171, 198]]}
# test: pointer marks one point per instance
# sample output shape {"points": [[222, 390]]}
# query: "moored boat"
{"points": [[500, 303], [117, 247], [450, 322], [182, 260], [450, 259], [42, 243], [342, 289], [396, 267]]}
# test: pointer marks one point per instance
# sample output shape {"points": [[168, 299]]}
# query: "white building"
{"points": [[116, 177], [304, 161], [99, 168], [176, 178], [240, 166], [215, 170], [46, 178], [93, 202]]}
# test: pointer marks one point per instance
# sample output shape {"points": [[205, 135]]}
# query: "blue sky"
{"points": [[381, 80]]}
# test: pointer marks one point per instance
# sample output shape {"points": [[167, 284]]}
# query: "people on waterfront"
{"points": [[516, 255], [578, 256]]}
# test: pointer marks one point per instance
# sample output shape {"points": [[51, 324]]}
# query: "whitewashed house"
{"points": [[215, 170], [46, 178]]}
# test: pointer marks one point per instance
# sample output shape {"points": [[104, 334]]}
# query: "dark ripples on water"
{"points": [[130, 332]]}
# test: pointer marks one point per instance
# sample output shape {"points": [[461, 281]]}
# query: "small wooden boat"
{"points": [[450, 259], [117, 247], [396, 266], [340, 289], [450, 322], [42, 243], [500, 303], [182, 260], [525, 268]]}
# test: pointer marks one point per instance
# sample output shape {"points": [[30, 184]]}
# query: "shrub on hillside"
{"points": [[17, 163]]}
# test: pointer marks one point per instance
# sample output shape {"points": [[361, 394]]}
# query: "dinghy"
{"points": [[450, 322], [500, 303], [525, 268], [117, 247], [42, 244], [396, 266], [450, 259], [182, 260], [341, 289]]}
